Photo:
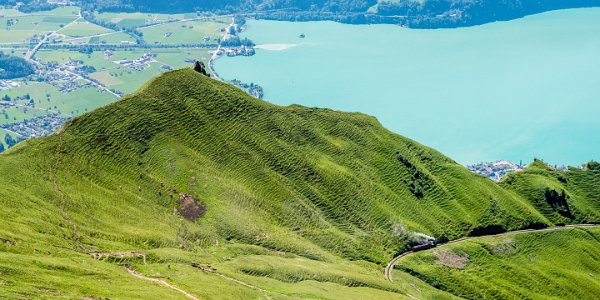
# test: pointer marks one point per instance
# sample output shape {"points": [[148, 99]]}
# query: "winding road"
{"points": [[390, 266]]}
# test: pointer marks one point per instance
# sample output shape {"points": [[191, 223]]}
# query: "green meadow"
{"points": [[192, 32], [80, 29]]}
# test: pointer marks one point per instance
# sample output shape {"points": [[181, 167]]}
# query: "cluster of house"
{"points": [[8, 84], [495, 170], [66, 77], [251, 88], [138, 64], [10, 102], [38, 126], [239, 51]]}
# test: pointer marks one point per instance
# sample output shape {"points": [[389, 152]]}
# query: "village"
{"points": [[498, 169], [495, 170], [36, 127]]}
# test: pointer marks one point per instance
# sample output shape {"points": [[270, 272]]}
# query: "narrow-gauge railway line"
{"points": [[390, 266]]}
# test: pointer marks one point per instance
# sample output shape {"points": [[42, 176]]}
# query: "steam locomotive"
{"points": [[428, 245]]}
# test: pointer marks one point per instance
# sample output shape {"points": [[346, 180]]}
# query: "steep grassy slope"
{"points": [[563, 197], [562, 264], [283, 201]]}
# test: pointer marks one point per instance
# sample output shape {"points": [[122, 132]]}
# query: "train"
{"points": [[430, 244]]}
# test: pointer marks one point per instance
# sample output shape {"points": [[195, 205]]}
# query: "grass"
{"points": [[192, 32], [59, 11], [562, 264], [17, 36], [106, 78], [10, 12], [133, 20], [176, 58], [73, 103], [300, 202], [81, 29], [116, 38]]}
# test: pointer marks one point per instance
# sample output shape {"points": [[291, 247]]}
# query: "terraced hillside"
{"points": [[220, 195]]}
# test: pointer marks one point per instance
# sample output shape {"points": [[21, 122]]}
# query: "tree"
{"points": [[593, 166], [9, 140], [14, 67], [2, 147]]}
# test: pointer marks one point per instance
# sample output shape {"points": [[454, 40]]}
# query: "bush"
{"points": [[593, 166]]}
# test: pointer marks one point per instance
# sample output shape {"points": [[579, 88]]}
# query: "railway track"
{"points": [[390, 266]]}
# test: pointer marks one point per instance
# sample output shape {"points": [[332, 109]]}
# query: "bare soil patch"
{"points": [[190, 208], [451, 259]]}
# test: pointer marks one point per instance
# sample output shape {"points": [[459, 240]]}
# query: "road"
{"points": [[215, 54], [91, 36], [390, 266], [32, 51], [97, 85]]}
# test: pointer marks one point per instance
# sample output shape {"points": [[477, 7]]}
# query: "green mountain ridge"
{"points": [[283, 197]]}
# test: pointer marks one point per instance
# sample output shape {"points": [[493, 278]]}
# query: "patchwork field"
{"points": [[192, 32], [82, 42]]}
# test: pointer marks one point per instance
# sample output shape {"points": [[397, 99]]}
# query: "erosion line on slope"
{"points": [[159, 281], [61, 193]]}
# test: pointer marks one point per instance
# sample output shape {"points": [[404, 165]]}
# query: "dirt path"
{"points": [[390, 266], [60, 192], [159, 281], [213, 271]]}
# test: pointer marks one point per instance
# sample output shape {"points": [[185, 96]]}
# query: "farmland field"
{"points": [[114, 63], [106, 78], [132, 20], [191, 32], [80, 29], [47, 97]]}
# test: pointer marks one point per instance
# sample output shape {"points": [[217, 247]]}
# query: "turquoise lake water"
{"points": [[507, 90]]}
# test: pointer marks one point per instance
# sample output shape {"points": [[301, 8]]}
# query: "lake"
{"points": [[507, 90]]}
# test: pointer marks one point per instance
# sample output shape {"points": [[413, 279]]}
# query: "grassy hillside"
{"points": [[563, 197], [282, 201], [562, 264]]}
